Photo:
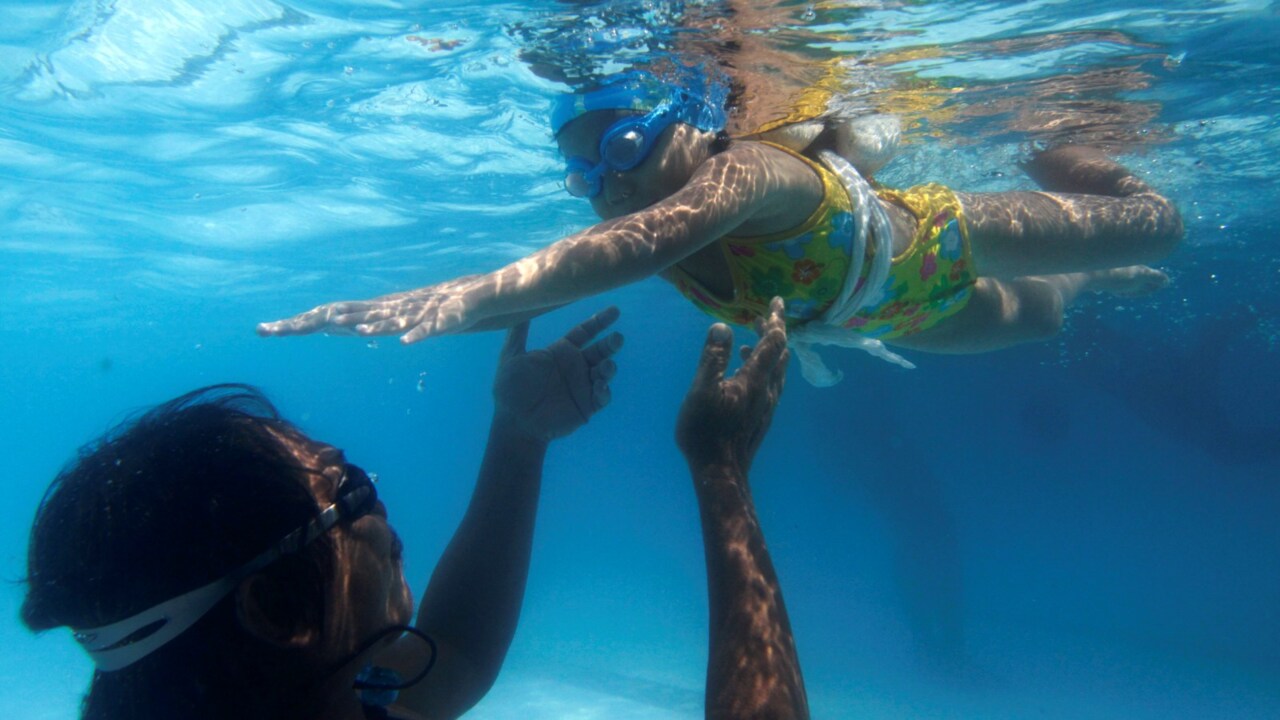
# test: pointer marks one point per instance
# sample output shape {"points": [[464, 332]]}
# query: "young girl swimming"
{"points": [[733, 223]]}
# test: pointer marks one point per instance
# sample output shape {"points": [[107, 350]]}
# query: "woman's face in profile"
{"points": [[368, 591]]}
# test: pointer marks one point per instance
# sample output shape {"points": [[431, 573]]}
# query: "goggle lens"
{"points": [[578, 185], [624, 146], [626, 149]]}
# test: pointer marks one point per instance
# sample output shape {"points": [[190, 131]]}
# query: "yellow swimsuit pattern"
{"points": [[929, 281], [806, 265]]}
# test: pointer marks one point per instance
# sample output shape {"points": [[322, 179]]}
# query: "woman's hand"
{"points": [[722, 421], [551, 392], [447, 307]]}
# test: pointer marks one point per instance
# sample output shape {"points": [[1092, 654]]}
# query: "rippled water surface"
{"points": [[1083, 528]]}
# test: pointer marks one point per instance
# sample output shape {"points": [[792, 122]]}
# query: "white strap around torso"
{"points": [[871, 226]]}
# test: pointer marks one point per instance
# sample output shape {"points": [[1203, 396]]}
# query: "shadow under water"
{"points": [[1180, 392]]}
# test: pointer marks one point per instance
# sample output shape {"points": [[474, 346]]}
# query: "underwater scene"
{"points": [[1080, 526]]}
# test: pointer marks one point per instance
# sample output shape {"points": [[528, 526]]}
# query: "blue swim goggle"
{"points": [[623, 146]]}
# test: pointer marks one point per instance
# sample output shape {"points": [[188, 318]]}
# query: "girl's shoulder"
{"points": [[791, 186], [760, 149], [757, 154]]}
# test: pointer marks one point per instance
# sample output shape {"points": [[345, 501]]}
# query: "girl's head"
{"points": [[636, 139], [191, 552]]}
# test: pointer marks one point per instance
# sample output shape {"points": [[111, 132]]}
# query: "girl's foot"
{"points": [[1132, 281], [1083, 170]]}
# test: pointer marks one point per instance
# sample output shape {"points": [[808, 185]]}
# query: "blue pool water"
{"points": [[1084, 528]]}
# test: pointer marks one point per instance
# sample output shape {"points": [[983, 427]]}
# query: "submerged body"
{"points": [[930, 271], [693, 206]]}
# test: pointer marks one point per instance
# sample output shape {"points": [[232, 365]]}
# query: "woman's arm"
{"points": [[753, 671], [472, 604], [724, 192]]}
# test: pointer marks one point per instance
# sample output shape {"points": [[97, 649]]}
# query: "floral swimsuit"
{"points": [[930, 281]]}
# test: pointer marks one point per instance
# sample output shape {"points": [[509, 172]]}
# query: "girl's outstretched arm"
{"points": [[725, 191]]}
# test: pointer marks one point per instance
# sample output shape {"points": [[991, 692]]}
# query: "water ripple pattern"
{"points": [[249, 146]]}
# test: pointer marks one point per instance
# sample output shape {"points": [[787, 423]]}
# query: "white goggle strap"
{"points": [[110, 647], [114, 646]]}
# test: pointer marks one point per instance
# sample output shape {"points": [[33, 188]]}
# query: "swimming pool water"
{"points": [[1082, 528]]}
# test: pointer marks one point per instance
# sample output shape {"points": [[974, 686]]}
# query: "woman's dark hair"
{"points": [[159, 506]]}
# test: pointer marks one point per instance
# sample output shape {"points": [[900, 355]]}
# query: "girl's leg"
{"points": [[1082, 170], [1003, 313], [1099, 216]]}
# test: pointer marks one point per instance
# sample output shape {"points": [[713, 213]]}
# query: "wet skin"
{"points": [[753, 670], [749, 189]]}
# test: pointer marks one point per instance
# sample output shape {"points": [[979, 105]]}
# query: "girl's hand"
{"points": [[441, 309]]}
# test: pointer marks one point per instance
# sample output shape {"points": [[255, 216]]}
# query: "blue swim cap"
{"points": [[641, 92]]}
